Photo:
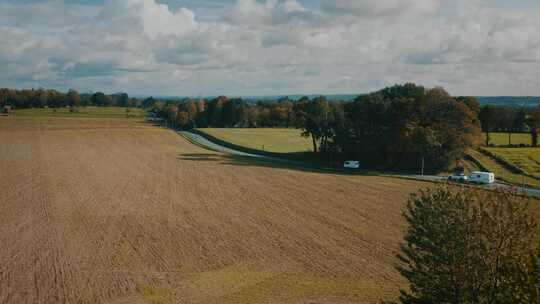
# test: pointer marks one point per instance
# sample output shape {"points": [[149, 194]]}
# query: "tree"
{"points": [[285, 111], [98, 99], [73, 98], [523, 284], [507, 119], [471, 102], [42, 98], [316, 123], [398, 127], [172, 115], [191, 110], [469, 246], [214, 111], [534, 124], [252, 116], [488, 118], [120, 99], [183, 120], [520, 121]]}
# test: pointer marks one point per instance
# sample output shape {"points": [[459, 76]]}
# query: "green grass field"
{"points": [[501, 139], [268, 140], [527, 159], [83, 112], [501, 172]]}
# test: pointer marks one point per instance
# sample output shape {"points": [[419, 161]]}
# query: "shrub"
{"points": [[469, 246]]}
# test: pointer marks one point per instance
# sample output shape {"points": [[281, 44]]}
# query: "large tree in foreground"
{"points": [[469, 246]]}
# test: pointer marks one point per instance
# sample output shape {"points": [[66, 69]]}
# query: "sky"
{"points": [[270, 47]]}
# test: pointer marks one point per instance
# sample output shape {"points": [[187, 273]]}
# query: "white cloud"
{"points": [[271, 47], [373, 9], [155, 19]]}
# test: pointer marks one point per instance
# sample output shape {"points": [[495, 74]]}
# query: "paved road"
{"points": [[202, 141], [528, 191]]}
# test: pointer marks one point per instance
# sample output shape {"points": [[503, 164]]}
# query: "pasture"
{"points": [[118, 211], [83, 112], [274, 140], [501, 139], [502, 172], [527, 159]]}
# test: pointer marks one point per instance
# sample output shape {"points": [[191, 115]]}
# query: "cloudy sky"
{"points": [[270, 47]]}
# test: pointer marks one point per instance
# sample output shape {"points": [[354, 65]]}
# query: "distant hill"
{"points": [[521, 101]]}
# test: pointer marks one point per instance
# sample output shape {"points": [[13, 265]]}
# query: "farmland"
{"points": [[501, 139], [501, 171], [83, 112], [527, 159], [117, 211], [277, 140]]}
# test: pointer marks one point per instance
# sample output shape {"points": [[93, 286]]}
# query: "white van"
{"points": [[351, 164], [482, 178]]}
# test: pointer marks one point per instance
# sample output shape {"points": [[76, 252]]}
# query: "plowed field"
{"points": [[116, 211]]}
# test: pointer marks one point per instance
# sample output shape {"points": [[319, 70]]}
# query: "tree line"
{"points": [[398, 127], [392, 128], [41, 98], [509, 120]]}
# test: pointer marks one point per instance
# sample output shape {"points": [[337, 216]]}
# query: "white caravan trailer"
{"points": [[351, 164], [482, 178]]}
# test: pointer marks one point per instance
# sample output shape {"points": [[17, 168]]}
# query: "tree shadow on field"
{"points": [[278, 164]]}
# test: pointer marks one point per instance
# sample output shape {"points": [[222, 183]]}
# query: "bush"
{"points": [[469, 246]]}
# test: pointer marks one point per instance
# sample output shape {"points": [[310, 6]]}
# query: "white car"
{"points": [[460, 178], [351, 164]]}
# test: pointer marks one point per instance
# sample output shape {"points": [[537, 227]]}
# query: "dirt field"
{"points": [[115, 211]]}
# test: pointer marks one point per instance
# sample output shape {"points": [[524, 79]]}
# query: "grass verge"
{"points": [[272, 140]]}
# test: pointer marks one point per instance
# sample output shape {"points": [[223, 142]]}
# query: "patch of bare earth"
{"points": [[112, 211]]}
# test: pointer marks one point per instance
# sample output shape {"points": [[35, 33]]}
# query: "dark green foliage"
{"points": [[398, 126], [469, 246], [534, 124], [22, 99], [489, 119]]}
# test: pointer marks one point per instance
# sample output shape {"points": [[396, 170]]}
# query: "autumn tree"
{"points": [[401, 125], [191, 110], [73, 98], [183, 120], [469, 246], [471, 102]]}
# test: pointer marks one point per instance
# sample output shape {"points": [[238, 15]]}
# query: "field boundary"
{"points": [[507, 164], [500, 177]]}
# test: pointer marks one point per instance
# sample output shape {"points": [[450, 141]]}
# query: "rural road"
{"points": [[202, 141], [528, 191]]}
